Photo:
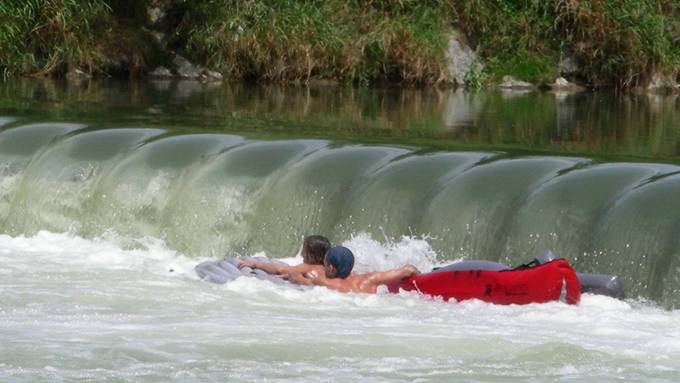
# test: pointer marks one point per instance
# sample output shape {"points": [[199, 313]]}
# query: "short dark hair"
{"points": [[315, 246]]}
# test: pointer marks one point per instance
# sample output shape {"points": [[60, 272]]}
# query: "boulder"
{"points": [[185, 69], [211, 75], [511, 83], [188, 71], [461, 59], [568, 65], [161, 72], [561, 84]]}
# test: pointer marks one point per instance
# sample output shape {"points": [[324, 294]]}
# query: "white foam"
{"points": [[372, 255], [109, 306], [55, 251]]}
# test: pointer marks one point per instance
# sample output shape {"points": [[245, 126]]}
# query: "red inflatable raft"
{"points": [[551, 281]]}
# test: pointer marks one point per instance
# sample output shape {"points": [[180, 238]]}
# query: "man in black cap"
{"points": [[338, 266]]}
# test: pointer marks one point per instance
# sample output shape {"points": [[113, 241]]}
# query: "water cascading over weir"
{"points": [[217, 194]]}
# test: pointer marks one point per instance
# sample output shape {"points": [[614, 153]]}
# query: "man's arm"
{"points": [[271, 267], [319, 280], [391, 275], [368, 285]]}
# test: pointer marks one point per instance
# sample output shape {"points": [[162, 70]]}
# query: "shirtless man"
{"points": [[314, 249], [337, 269]]}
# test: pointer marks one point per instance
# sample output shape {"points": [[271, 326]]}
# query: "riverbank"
{"points": [[624, 44]]}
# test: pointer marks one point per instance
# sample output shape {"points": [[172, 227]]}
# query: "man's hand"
{"points": [[268, 267], [411, 270], [248, 263]]}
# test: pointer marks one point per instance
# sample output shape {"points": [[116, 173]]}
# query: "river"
{"points": [[110, 193]]}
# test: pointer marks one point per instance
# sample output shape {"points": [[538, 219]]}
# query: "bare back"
{"points": [[355, 283], [367, 283]]}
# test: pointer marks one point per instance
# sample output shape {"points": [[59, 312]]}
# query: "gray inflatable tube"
{"points": [[227, 270]]}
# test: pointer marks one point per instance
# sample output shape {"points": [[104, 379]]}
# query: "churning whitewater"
{"points": [[115, 308], [211, 194]]}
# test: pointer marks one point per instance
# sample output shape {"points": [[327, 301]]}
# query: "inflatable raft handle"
{"points": [[570, 282]]}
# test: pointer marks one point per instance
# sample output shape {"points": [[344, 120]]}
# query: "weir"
{"points": [[225, 194]]}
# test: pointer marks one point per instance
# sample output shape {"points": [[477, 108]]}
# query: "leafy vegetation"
{"points": [[353, 41], [616, 42], [44, 37], [40, 36], [622, 41]]}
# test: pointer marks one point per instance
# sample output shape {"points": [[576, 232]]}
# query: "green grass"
{"points": [[48, 37], [537, 68], [348, 41], [622, 41], [41, 37], [617, 42]]}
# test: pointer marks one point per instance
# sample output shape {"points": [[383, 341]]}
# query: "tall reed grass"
{"points": [[42, 36], [48, 37], [349, 41], [617, 42]]}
